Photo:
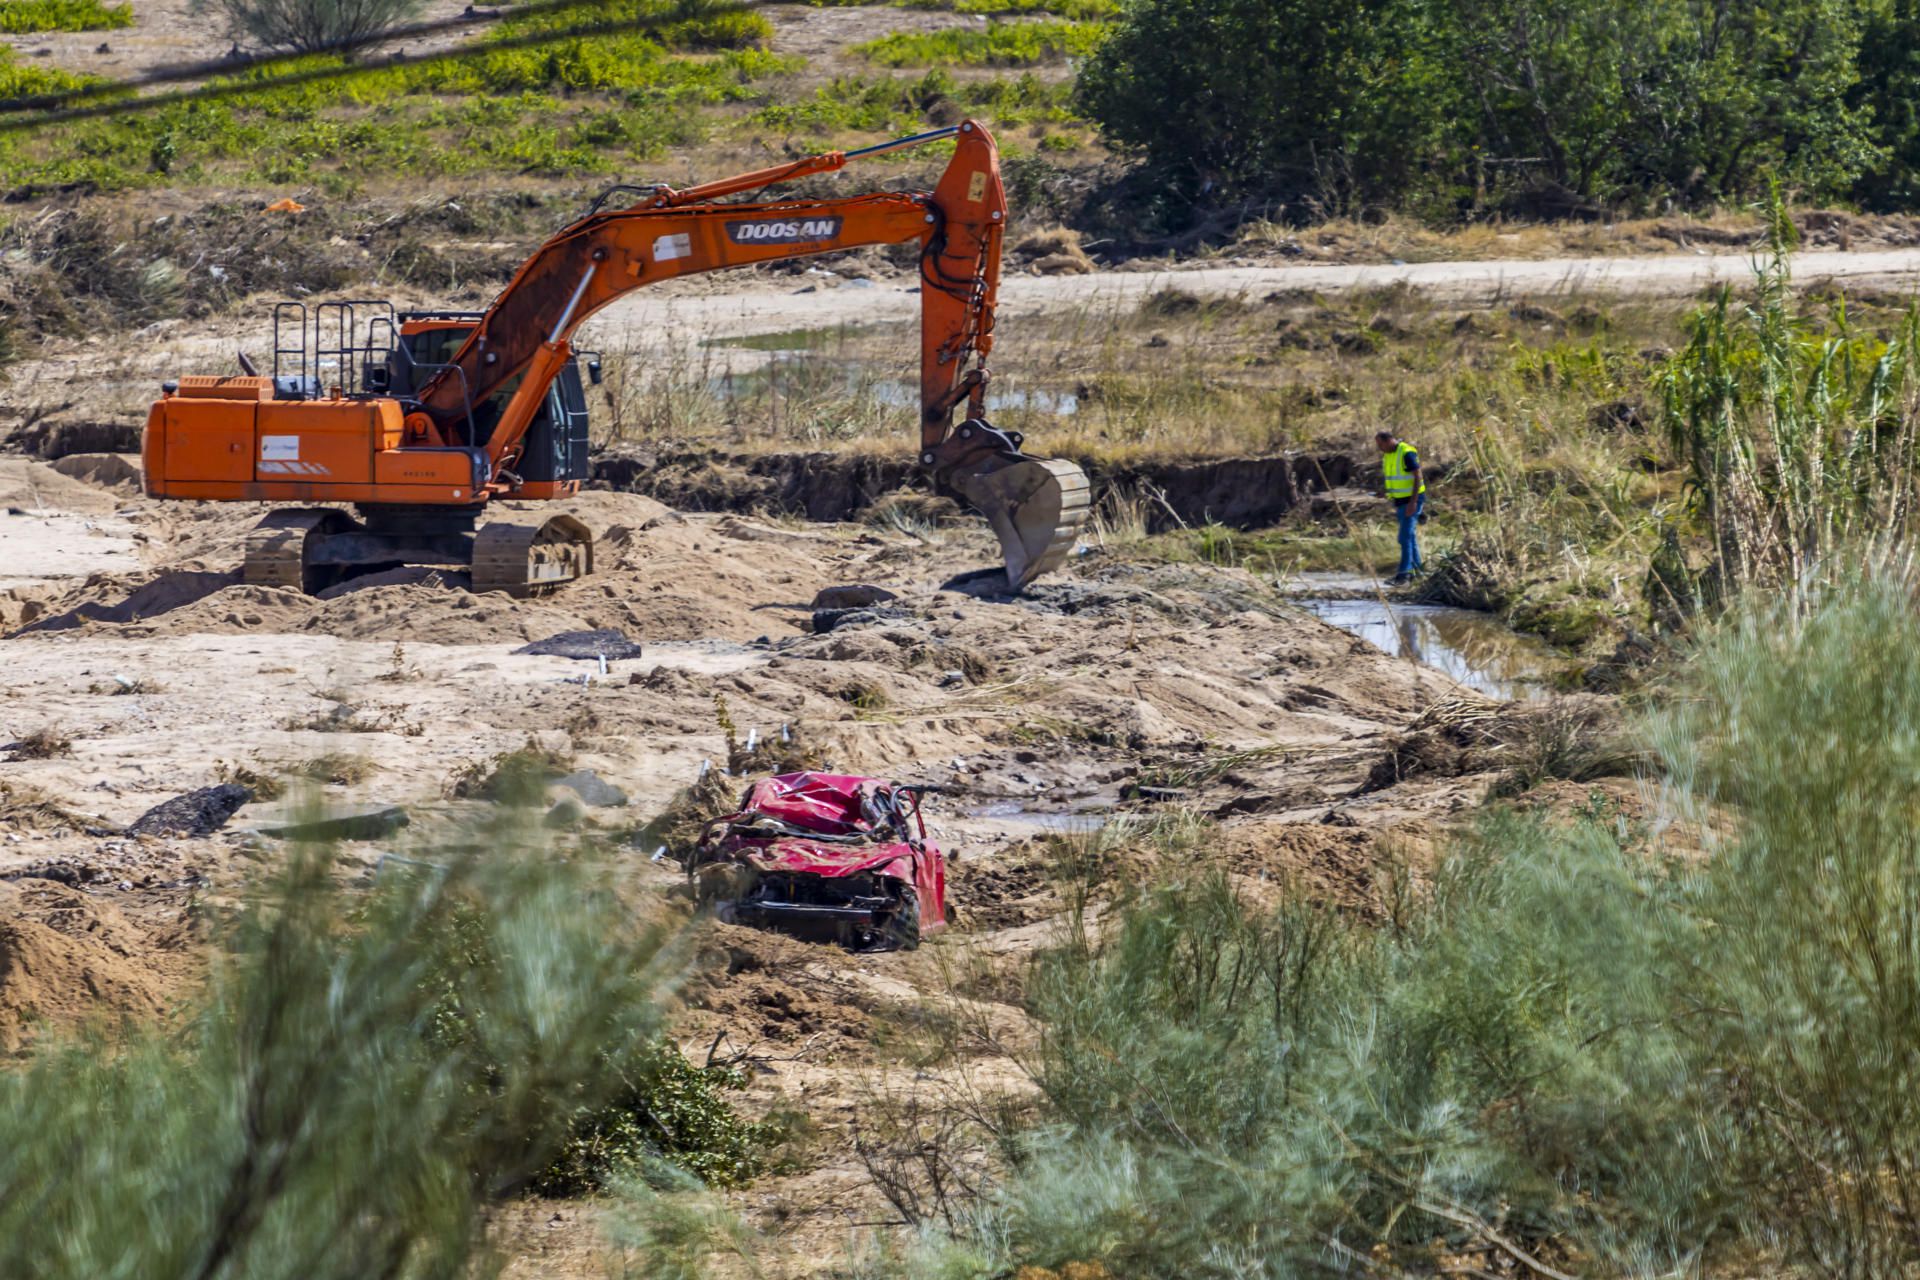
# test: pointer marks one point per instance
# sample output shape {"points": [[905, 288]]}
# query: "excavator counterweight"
{"points": [[424, 420]]}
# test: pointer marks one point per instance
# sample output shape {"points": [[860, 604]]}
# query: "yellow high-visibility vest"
{"points": [[1400, 481]]}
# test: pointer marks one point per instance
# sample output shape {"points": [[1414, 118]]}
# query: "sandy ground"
{"points": [[131, 640]]}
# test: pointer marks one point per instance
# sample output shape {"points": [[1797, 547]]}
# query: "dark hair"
{"points": [[1383, 434]]}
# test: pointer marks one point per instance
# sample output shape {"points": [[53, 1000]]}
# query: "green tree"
{"points": [[1888, 91], [1444, 105], [1739, 93], [1228, 98]]}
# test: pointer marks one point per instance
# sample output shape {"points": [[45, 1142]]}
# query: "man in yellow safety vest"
{"points": [[1407, 491]]}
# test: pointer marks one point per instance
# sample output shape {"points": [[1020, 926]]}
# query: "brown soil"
{"points": [[70, 958], [1029, 710]]}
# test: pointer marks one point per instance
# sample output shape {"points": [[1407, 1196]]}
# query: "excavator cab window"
{"points": [[556, 446]]}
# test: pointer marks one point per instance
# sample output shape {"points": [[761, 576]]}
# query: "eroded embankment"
{"points": [[1243, 492]]}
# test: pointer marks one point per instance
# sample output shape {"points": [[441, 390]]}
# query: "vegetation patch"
{"points": [[21, 16], [579, 105], [518, 777], [1079, 10], [897, 104], [399, 1055], [44, 743], [664, 1109], [998, 44]]}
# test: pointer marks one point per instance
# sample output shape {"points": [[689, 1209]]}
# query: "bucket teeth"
{"points": [[1035, 506]]}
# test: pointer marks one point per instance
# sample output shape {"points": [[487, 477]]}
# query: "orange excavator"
{"points": [[422, 420]]}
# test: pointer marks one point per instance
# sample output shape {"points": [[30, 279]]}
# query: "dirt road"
{"points": [[646, 318]]}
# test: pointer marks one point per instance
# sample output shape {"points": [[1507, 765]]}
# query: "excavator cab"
{"points": [[554, 451]]}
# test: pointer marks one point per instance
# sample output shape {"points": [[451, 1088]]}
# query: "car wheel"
{"points": [[902, 930]]}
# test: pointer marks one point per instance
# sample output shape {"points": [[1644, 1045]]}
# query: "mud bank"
{"points": [[1242, 492]]}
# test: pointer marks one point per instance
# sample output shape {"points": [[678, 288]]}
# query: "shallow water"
{"points": [[1014, 813], [1476, 649]]}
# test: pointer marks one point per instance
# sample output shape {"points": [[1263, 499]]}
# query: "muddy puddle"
{"points": [[1017, 817], [1476, 649]]}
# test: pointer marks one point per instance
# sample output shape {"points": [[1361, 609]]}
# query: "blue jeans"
{"points": [[1408, 513]]}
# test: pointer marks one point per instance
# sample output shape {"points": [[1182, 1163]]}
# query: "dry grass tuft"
{"points": [[519, 776], [337, 768], [24, 808], [44, 743]]}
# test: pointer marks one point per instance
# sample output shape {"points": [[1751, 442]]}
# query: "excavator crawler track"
{"points": [[529, 559], [280, 549]]}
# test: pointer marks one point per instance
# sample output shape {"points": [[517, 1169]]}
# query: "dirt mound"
{"points": [[67, 958], [1004, 891], [1341, 867], [123, 598], [769, 988], [441, 614], [658, 577], [117, 471]]}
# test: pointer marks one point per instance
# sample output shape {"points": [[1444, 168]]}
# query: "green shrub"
{"points": [[19, 16], [310, 25], [664, 1109], [1800, 436], [998, 44], [1563, 1051], [311, 1117], [1802, 716], [517, 777]]}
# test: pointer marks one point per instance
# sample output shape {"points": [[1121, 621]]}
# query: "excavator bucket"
{"points": [[1035, 506]]}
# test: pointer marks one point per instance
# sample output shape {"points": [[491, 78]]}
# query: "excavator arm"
{"points": [[523, 341]]}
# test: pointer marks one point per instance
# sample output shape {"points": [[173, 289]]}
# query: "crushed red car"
{"points": [[828, 857]]}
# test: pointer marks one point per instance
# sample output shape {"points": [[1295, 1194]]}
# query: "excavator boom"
{"points": [[460, 434]]}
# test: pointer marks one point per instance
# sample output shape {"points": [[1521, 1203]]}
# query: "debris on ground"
{"points": [[368, 825], [592, 790], [200, 812], [24, 808], [587, 646], [1578, 738], [856, 595]]}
